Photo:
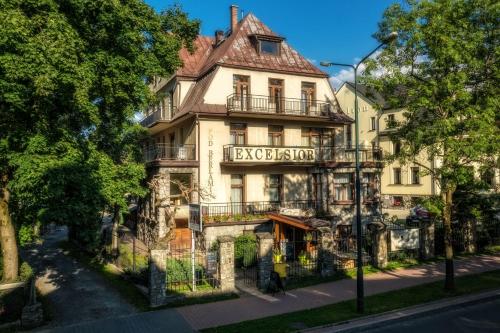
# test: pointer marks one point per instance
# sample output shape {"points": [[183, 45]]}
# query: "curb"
{"points": [[387, 318]]}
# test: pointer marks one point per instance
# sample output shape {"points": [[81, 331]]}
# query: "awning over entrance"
{"points": [[304, 223]]}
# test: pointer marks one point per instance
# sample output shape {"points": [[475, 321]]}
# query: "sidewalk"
{"points": [[252, 307]]}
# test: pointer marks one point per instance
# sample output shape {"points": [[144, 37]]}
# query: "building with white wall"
{"points": [[258, 128]]}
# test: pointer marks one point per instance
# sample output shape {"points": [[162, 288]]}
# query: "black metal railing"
{"points": [[162, 151], [157, 115], [243, 211], [287, 154], [288, 106]]}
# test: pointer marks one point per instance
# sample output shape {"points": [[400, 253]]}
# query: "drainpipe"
{"points": [[198, 154]]}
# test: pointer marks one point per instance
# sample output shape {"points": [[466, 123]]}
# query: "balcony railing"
{"points": [[161, 151], [298, 154], [223, 212], [287, 106], [157, 115]]}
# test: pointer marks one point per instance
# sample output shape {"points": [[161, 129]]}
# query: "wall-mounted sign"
{"points": [[274, 154], [404, 239], [195, 222]]}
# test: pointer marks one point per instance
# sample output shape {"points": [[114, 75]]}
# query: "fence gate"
{"points": [[245, 264]]}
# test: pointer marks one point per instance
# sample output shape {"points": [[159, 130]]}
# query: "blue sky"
{"points": [[331, 30]]}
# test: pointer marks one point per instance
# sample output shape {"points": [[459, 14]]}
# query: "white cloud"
{"points": [[348, 74]]}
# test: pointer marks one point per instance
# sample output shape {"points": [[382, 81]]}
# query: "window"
{"points": [[343, 186], [275, 187], [415, 175], [397, 201], [179, 181], [237, 193], [238, 134], [396, 148], [373, 124], [275, 135], [369, 186], [269, 47], [276, 101], [390, 120], [349, 136], [396, 175], [322, 138], [308, 97], [241, 91]]}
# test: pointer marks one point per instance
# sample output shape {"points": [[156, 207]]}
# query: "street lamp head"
{"points": [[390, 37], [325, 63]]}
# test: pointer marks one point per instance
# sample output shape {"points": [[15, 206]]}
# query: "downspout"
{"points": [[198, 154]]}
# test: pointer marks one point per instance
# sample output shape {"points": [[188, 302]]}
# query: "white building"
{"points": [[257, 127]]}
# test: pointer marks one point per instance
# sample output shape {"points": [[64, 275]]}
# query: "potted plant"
{"points": [[303, 260], [277, 256], [279, 265]]}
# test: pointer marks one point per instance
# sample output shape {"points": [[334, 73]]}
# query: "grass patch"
{"points": [[346, 310], [112, 275]]}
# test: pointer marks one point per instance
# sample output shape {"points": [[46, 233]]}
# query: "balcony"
{"points": [[286, 106], [297, 154], [164, 152], [159, 114]]}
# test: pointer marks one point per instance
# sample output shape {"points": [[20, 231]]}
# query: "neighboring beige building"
{"points": [[258, 127], [400, 184]]}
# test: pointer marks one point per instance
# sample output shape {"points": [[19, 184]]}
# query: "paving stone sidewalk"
{"points": [[259, 306]]}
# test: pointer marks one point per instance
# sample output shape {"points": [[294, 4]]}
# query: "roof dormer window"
{"points": [[267, 44], [269, 47]]}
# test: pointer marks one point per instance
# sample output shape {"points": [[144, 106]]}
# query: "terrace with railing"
{"points": [[162, 151], [254, 210], [281, 105], [298, 154], [158, 114]]}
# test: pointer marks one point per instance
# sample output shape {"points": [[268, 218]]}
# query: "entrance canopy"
{"points": [[304, 223]]}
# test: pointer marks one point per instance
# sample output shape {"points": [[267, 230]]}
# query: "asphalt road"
{"points": [[478, 318]]}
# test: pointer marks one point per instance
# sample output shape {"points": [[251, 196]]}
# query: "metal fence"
{"points": [[191, 271], [246, 263], [345, 250], [298, 259], [222, 212]]}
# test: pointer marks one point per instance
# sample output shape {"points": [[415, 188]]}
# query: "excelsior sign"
{"points": [[272, 154]]}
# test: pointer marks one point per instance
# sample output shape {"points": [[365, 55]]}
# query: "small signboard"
{"points": [[404, 239], [195, 220]]}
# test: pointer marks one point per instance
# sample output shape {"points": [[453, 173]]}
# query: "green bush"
{"points": [[245, 248], [180, 270], [25, 271]]}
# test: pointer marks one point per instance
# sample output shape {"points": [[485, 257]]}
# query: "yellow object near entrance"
{"points": [[280, 269]]}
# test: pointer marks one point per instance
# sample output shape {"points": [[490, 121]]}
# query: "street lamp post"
{"points": [[359, 257]]}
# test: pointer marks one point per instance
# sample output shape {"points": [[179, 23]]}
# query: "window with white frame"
{"points": [[373, 124], [415, 175], [343, 184]]}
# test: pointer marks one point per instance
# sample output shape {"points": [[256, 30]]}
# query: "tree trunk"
{"points": [[448, 245], [114, 230], [8, 238]]}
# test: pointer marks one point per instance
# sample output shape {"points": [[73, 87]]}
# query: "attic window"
{"points": [[269, 47]]}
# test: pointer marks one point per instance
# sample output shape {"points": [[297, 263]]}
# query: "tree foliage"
{"points": [[443, 70], [72, 75]]}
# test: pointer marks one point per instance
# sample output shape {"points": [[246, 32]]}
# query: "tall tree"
{"points": [[72, 74], [444, 71]]}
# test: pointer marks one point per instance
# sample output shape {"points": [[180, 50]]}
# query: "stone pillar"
{"points": [[426, 240], [470, 236], [265, 244], [379, 244], [157, 277], [226, 263], [325, 251]]}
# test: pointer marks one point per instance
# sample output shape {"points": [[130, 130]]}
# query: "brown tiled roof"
{"points": [[237, 50], [193, 62]]}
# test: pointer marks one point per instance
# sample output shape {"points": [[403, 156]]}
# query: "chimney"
{"points": [[219, 36], [233, 9]]}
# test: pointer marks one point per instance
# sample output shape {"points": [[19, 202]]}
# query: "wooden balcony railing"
{"points": [[287, 106], [161, 151]]}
